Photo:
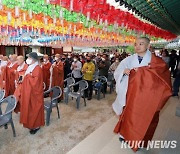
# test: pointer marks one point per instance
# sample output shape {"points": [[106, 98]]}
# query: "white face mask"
{"points": [[29, 61], [69, 57], [3, 63], [75, 59], [111, 55], [56, 58], [103, 59], [45, 60], [117, 61]]}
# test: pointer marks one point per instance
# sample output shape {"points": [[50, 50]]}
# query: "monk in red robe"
{"points": [[32, 101], [46, 71], [148, 89], [57, 73], [1, 72], [22, 67], [10, 75], [3, 65]]}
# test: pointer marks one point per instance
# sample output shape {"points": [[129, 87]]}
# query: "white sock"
{"points": [[121, 136]]}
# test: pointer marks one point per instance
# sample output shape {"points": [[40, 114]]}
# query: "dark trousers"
{"points": [[88, 92], [176, 84], [172, 69], [77, 86], [105, 85]]}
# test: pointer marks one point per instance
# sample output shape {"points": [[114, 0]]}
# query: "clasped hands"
{"points": [[127, 71]]}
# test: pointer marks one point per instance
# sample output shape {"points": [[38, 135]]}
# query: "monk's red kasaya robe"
{"points": [[58, 76], [17, 92], [148, 90], [32, 101], [9, 78], [46, 74]]}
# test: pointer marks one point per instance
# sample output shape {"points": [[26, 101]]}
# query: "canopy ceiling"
{"points": [[163, 13]]}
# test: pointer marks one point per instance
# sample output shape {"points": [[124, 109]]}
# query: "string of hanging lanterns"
{"points": [[72, 22]]}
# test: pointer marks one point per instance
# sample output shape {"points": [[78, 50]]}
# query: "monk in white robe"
{"points": [[122, 78], [143, 87]]}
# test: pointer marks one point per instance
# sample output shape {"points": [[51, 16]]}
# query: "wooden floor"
{"points": [[104, 141]]}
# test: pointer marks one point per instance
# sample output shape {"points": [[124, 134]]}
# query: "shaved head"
{"points": [[146, 39], [141, 45], [20, 60], [57, 55], [5, 58], [13, 57], [46, 56]]}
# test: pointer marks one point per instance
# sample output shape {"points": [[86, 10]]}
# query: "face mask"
{"points": [[45, 60], [56, 58], [11, 59], [75, 59], [117, 61], [111, 55], [29, 61], [3, 63], [69, 57], [103, 59]]}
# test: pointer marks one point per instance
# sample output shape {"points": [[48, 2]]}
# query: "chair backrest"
{"points": [[82, 85], [56, 93], [69, 81], [69, 75], [102, 79], [97, 84], [11, 104], [2, 94]]}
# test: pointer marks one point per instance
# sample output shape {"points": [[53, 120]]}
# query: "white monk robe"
{"points": [[130, 62]]}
